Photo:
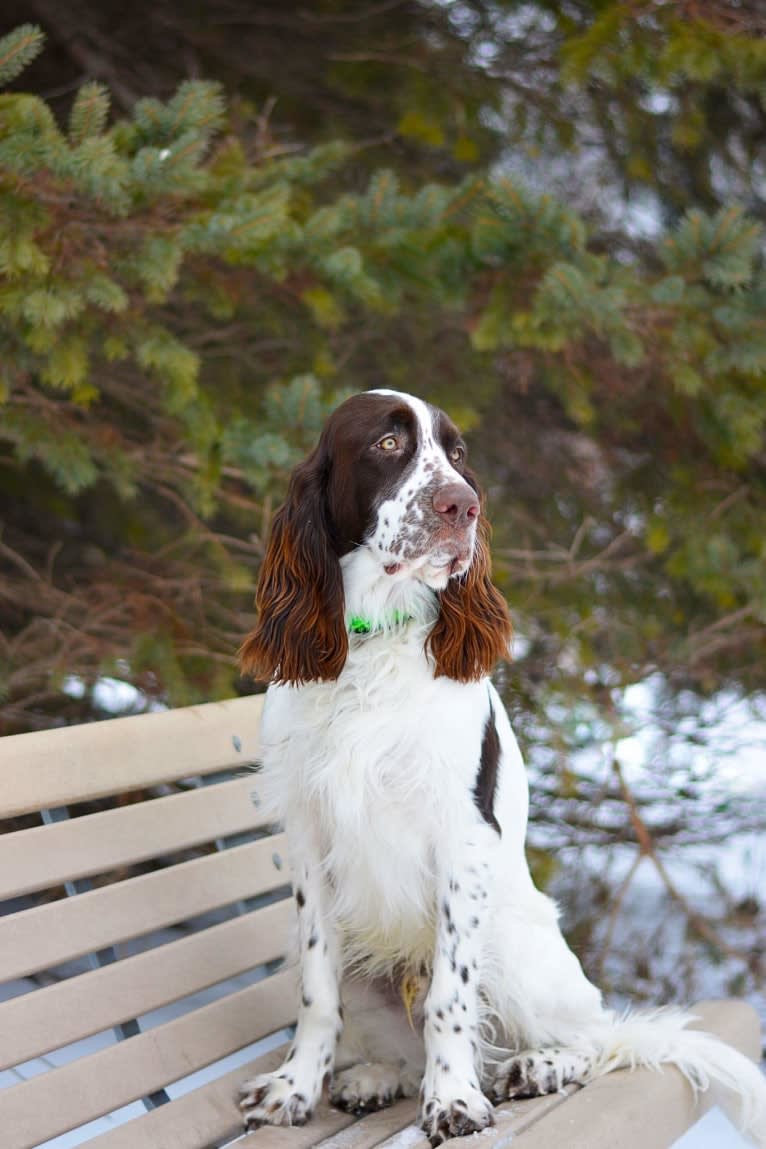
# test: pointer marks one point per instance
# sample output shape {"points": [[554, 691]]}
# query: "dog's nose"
{"points": [[456, 503]]}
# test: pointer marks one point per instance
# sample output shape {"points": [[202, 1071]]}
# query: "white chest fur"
{"points": [[378, 763]]}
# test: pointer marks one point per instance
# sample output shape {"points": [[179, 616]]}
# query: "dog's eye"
{"points": [[389, 443], [457, 454]]}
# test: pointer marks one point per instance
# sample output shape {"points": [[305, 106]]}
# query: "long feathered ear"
{"points": [[300, 635], [473, 630]]}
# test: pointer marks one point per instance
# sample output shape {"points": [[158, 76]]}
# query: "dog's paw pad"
{"points": [[272, 1100], [537, 1072], [444, 1119], [366, 1087]]}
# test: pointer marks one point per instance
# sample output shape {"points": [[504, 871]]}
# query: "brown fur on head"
{"points": [[331, 505], [473, 630], [300, 635]]}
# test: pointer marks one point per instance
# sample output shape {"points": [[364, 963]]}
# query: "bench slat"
{"points": [[206, 1116], [209, 1114], [48, 935], [59, 1014], [371, 1130], [511, 1118], [83, 1090], [56, 768], [325, 1124], [94, 843]]}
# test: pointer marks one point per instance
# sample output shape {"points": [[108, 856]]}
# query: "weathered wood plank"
{"points": [[80, 1091], [48, 935], [59, 767], [69, 1010], [49, 855]]}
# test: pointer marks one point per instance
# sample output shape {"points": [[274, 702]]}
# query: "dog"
{"points": [[428, 959]]}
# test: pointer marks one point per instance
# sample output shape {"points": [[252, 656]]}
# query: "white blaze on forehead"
{"points": [[406, 520], [423, 413]]}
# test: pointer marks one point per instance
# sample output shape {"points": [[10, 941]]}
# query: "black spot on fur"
{"points": [[440, 1014], [313, 941], [464, 973], [307, 1001], [300, 898], [515, 1074], [486, 780], [457, 1029]]}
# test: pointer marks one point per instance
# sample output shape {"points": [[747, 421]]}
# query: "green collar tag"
{"points": [[359, 625]]}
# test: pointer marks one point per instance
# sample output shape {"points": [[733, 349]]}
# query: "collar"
{"points": [[357, 625]]}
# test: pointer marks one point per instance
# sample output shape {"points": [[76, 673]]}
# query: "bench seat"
{"points": [[145, 911]]}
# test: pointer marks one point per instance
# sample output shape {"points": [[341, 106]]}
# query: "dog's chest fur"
{"points": [[379, 780]]}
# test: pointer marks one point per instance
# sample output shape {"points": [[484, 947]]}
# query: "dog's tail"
{"points": [[661, 1037]]}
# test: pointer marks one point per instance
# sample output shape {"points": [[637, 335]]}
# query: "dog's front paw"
{"points": [[271, 1099], [442, 1119]]}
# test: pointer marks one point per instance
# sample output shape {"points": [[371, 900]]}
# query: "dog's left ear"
{"points": [[473, 630]]}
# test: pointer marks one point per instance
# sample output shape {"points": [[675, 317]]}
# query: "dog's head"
{"points": [[388, 475]]}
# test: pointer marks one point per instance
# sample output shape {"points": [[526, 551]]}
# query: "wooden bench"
{"points": [[140, 883]]}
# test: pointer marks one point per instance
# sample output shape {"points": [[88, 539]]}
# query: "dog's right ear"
{"points": [[300, 635]]}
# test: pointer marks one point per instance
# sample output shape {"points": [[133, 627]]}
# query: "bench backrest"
{"points": [[174, 891]]}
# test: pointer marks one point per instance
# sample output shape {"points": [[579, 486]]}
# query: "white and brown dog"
{"points": [[389, 757]]}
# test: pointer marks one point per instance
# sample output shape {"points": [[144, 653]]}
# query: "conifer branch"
{"points": [[18, 49]]}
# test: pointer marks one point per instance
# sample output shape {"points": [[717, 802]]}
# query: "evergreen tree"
{"points": [[178, 291]]}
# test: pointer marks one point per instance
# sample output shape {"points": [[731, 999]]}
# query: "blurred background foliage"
{"points": [[216, 219]]}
